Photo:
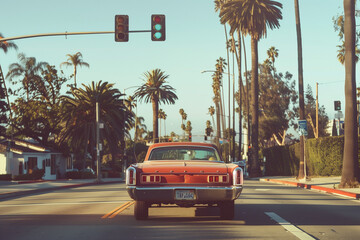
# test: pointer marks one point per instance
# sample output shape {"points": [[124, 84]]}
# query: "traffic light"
{"points": [[337, 105], [157, 27], [121, 28], [190, 138]]}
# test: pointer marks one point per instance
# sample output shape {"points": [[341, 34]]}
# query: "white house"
{"points": [[23, 156]]}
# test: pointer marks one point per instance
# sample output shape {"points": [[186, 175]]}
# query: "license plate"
{"points": [[184, 195]]}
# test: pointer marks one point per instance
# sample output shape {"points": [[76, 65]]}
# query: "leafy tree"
{"points": [[277, 93], [39, 118], [28, 71], [253, 18], [79, 112], [156, 91], [75, 60]]}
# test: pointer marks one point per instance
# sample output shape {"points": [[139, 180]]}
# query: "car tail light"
{"points": [[131, 176], [151, 179], [238, 176], [217, 178]]}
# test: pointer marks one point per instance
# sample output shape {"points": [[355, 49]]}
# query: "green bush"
{"points": [[323, 157]]}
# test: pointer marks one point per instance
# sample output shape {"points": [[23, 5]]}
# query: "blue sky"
{"points": [[194, 40]]}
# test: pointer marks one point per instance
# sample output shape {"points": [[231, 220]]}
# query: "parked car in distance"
{"points": [[187, 174]]}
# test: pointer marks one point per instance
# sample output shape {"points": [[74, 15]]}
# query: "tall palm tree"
{"points": [[211, 110], [253, 17], [5, 46], [350, 170], [301, 174], [75, 60], [28, 70], [79, 117], [161, 115], [140, 128], [156, 91], [273, 53]]}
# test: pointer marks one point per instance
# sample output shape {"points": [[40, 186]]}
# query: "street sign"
{"points": [[303, 127]]}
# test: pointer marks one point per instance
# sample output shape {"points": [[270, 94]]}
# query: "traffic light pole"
{"points": [[64, 34]]}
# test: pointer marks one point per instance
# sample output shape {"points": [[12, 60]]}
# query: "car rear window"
{"points": [[184, 153]]}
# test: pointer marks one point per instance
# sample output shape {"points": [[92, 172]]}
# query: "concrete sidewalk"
{"points": [[9, 189], [323, 184]]}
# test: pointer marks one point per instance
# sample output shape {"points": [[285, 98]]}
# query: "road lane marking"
{"points": [[289, 227], [118, 210]]}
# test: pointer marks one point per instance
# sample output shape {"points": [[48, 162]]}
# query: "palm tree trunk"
{"points": [[247, 95], [255, 167], [350, 170], [240, 95], [155, 106], [218, 128], [301, 89], [75, 76]]}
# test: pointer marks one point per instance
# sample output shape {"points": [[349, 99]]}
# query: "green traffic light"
{"points": [[157, 35], [158, 27]]}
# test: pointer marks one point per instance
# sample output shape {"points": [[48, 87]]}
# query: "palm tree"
{"points": [[79, 117], [211, 110], [28, 69], [252, 18], [162, 115], [75, 60], [273, 53], [156, 91], [350, 170], [140, 128], [5, 46], [301, 174]]}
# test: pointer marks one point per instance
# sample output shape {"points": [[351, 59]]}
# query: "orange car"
{"points": [[186, 174]]}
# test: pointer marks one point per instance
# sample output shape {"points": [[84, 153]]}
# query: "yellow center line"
{"points": [[118, 210]]}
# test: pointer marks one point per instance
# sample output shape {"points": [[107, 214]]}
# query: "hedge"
{"points": [[323, 157]]}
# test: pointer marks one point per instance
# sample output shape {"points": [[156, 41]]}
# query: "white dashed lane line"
{"points": [[289, 227]]}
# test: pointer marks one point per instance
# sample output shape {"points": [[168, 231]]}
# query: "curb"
{"points": [[314, 187], [4, 196]]}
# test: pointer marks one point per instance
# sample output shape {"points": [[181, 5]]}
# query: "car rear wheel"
{"points": [[227, 210], [141, 210]]}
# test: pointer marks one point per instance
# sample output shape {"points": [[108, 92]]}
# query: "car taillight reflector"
{"points": [[238, 176], [130, 176], [151, 179], [217, 179]]}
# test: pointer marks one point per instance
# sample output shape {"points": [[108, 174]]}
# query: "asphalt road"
{"points": [[264, 211]]}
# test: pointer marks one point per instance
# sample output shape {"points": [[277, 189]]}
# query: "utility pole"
{"points": [[98, 145]]}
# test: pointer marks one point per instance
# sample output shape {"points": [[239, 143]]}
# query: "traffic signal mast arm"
{"points": [[64, 34]]}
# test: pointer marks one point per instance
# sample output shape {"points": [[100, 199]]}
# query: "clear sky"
{"points": [[194, 40]]}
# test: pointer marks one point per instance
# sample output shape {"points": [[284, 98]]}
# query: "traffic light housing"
{"points": [[158, 27], [190, 138], [337, 105], [121, 28]]}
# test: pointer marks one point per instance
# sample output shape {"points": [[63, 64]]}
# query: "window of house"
{"points": [[69, 163]]}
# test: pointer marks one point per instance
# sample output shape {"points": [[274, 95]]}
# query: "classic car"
{"points": [[187, 174]]}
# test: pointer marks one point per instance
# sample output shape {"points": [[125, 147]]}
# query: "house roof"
{"points": [[22, 146]]}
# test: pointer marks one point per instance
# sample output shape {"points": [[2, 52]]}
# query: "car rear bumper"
{"points": [[167, 194]]}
